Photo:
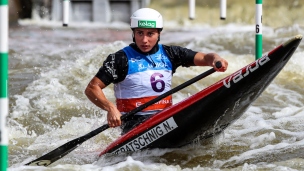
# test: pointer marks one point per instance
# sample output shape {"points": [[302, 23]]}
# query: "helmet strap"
{"points": [[133, 37], [159, 30]]}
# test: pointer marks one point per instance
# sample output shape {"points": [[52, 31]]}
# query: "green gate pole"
{"points": [[3, 84], [258, 29]]}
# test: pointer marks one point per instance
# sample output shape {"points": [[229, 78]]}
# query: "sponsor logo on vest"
{"points": [[163, 101], [146, 24], [158, 64], [148, 137], [249, 69]]}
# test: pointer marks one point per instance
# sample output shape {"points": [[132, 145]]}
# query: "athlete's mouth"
{"points": [[144, 46]]}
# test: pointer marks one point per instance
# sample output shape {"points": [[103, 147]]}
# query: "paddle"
{"points": [[66, 148]]}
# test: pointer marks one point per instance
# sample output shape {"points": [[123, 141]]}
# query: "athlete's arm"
{"points": [[95, 95], [209, 59], [107, 74], [180, 56]]}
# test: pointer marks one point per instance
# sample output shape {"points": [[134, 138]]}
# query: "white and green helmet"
{"points": [[146, 18]]}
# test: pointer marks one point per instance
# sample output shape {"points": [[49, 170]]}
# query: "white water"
{"points": [[50, 67]]}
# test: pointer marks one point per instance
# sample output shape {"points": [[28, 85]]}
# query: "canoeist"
{"points": [[142, 71]]}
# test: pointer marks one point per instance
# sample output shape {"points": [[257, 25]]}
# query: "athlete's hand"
{"points": [[223, 67], [113, 117], [224, 64], [210, 59]]}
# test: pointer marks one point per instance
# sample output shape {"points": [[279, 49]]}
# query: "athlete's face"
{"points": [[146, 38]]}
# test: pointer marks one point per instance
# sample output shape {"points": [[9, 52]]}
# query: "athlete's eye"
{"points": [[150, 34], [140, 33]]}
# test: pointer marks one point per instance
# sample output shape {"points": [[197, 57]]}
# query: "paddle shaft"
{"points": [[63, 150]]}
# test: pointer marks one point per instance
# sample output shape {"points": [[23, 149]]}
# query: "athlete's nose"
{"points": [[145, 38]]}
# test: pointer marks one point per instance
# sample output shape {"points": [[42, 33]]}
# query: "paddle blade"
{"points": [[66, 148]]}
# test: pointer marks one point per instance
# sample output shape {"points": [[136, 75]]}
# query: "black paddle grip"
{"points": [[218, 64]]}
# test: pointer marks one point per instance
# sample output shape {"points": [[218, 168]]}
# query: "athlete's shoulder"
{"points": [[118, 56], [175, 48], [180, 55], [114, 68]]}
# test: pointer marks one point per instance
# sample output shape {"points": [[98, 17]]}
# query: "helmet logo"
{"points": [[146, 24]]}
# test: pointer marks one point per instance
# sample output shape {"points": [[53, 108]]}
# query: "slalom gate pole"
{"points": [[223, 7], [191, 4], [259, 30], [3, 84], [66, 12]]}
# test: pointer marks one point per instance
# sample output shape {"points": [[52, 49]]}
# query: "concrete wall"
{"points": [[14, 8], [104, 11]]}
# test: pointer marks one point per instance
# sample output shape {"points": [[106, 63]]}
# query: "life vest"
{"points": [[148, 77]]}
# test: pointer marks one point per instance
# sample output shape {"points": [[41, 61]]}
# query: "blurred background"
{"points": [[276, 13]]}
